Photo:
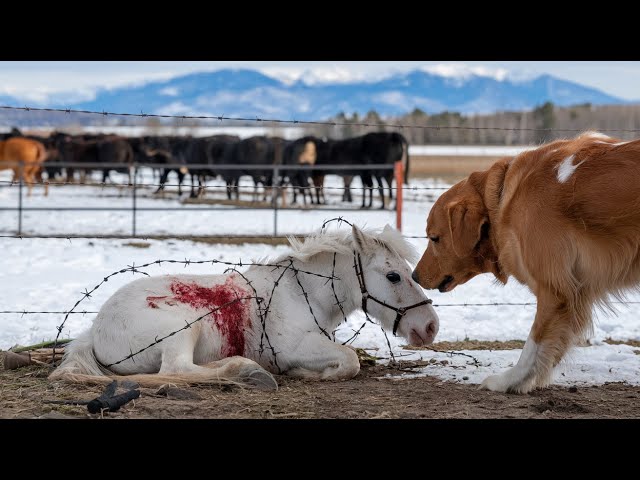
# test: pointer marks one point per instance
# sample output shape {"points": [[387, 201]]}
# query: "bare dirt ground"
{"points": [[377, 392]]}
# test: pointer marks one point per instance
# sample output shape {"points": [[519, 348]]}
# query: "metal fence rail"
{"points": [[135, 167]]}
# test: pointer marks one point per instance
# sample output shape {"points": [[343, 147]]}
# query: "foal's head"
{"points": [[387, 278]]}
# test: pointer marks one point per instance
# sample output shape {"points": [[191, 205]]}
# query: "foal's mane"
{"points": [[341, 241]]}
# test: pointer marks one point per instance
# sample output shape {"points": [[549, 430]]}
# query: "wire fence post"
{"points": [[399, 174], [276, 173], [135, 174], [20, 173]]}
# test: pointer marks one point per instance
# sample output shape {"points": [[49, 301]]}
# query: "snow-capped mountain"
{"points": [[249, 93]]}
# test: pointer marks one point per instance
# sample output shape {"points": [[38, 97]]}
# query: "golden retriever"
{"points": [[563, 219]]}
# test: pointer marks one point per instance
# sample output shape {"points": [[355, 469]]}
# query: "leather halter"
{"points": [[400, 311]]}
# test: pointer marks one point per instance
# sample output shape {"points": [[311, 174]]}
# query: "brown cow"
{"points": [[26, 156]]}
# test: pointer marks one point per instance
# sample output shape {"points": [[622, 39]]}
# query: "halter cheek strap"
{"points": [[400, 311]]}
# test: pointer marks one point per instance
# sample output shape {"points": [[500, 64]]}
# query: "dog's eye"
{"points": [[434, 239], [393, 277]]}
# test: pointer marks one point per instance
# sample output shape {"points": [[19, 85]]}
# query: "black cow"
{"points": [[115, 150], [144, 153], [383, 148], [378, 148], [208, 151], [257, 150], [177, 147], [337, 152], [109, 149]]}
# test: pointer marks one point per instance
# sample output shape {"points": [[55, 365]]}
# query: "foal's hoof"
{"points": [[259, 378]]}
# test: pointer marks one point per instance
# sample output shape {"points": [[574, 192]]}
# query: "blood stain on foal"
{"points": [[152, 302], [230, 319]]}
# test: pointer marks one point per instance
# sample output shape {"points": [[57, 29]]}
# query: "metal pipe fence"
{"points": [[278, 173]]}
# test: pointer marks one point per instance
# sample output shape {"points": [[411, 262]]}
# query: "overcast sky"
{"points": [[38, 80]]}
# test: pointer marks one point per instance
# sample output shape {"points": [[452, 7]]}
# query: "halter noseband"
{"points": [[400, 311]]}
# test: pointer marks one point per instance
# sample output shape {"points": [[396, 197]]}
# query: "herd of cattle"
{"points": [[199, 157]]}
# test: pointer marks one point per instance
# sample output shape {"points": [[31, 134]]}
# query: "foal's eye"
{"points": [[393, 277], [434, 239]]}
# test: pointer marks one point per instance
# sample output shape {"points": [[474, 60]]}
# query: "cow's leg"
{"points": [[367, 187], [318, 184], [39, 179], [380, 190], [557, 327], [318, 358], [201, 185], [193, 186], [229, 190], [283, 193], [181, 176], [28, 179], [163, 180], [346, 196], [389, 179]]}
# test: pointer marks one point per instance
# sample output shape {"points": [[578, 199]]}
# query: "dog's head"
{"points": [[458, 229]]}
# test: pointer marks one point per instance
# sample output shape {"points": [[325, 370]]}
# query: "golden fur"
{"points": [[563, 219]]}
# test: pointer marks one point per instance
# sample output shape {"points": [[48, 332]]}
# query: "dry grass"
{"points": [[425, 166], [631, 343], [137, 244], [471, 345]]}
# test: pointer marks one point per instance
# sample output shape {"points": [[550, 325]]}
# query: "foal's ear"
{"points": [[363, 243]]}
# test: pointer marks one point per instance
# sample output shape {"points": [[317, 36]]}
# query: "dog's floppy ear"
{"points": [[465, 226]]}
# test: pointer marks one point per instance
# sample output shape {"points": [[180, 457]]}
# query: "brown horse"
{"points": [[26, 156]]}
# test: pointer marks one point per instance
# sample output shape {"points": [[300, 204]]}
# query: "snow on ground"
{"points": [[50, 274]]}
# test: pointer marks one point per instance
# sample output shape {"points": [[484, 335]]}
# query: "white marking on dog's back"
{"points": [[566, 168], [595, 135]]}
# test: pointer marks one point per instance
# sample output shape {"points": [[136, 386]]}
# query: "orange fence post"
{"points": [[399, 174]]}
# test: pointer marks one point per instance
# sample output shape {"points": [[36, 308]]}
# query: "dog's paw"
{"points": [[506, 383]]}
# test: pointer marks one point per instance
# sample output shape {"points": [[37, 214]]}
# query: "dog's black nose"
{"points": [[415, 277]]}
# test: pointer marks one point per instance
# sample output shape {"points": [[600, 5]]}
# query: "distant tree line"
{"points": [[546, 116]]}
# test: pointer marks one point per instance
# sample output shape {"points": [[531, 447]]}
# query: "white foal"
{"points": [[265, 320]]}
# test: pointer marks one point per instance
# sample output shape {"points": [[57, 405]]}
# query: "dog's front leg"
{"points": [[557, 326]]}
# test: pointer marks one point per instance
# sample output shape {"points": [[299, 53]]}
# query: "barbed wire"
{"points": [[133, 269], [438, 305], [258, 119], [306, 297], [187, 325], [162, 237], [10, 183], [262, 314], [30, 312]]}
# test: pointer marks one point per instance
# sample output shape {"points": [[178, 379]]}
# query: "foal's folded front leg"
{"points": [[318, 358]]}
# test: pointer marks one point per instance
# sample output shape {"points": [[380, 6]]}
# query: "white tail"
{"points": [[79, 359]]}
